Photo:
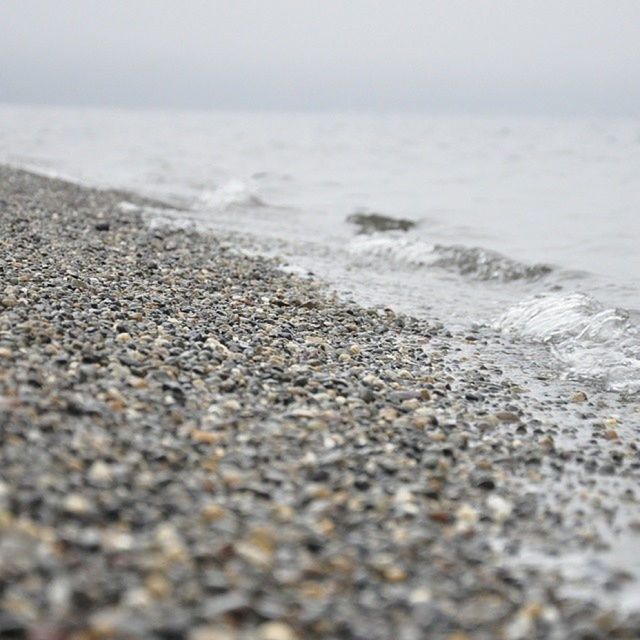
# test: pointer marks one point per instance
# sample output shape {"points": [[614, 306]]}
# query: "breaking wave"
{"points": [[230, 195], [472, 262], [591, 341]]}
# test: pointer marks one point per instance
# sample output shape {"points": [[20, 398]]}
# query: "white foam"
{"points": [[128, 207], [591, 341], [396, 248], [234, 193], [473, 262]]}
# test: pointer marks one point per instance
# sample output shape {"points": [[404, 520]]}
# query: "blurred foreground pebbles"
{"points": [[196, 445]]}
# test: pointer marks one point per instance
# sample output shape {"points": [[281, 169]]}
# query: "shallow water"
{"points": [[527, 225]]}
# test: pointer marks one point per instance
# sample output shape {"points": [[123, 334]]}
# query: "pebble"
{"points": [[100, 473], [76, 504], [507, 416], [467, 518], [204, 437], [214, 608], [213, 512], [579, 396], [212, 632], [500, 508], [276, 631]]}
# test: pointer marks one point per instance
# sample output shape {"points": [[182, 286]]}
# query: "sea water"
{"points": [[525, 226]]}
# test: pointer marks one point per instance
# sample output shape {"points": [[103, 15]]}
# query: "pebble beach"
{"points": [[198, 445]]}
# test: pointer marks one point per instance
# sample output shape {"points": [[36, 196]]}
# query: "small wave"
{"points": [[128, 207], [230, 195], [486, 265], [472, 262], [591, 341]]}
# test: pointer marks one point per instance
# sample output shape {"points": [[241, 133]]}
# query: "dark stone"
{"points": [[485, 482], [371, 222]]}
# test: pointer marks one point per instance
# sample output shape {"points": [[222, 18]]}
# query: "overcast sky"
{"points": [[451, 56]]}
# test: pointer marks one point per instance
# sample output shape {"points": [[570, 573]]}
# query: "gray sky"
{"points": [[451, 56]]}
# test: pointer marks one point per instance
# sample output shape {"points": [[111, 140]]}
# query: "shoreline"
{"points": [[193, 438]]}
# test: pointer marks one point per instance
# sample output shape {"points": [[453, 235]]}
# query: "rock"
{"points": [[522, 625], [4, 495], [204, 437], [507, 416], [12, 626], [258, 547], [117, 541], [467, 518], [500, 508], [215, 607], [76, 504], [212, 632], [579, 396], [276, 631], [484, 481], [100, 474], [394, 573], [371, 222], [213, 512], [355, 350]]}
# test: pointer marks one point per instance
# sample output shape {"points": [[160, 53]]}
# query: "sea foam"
{"points": [[473, 262], [591, 341], [229, 195]]}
